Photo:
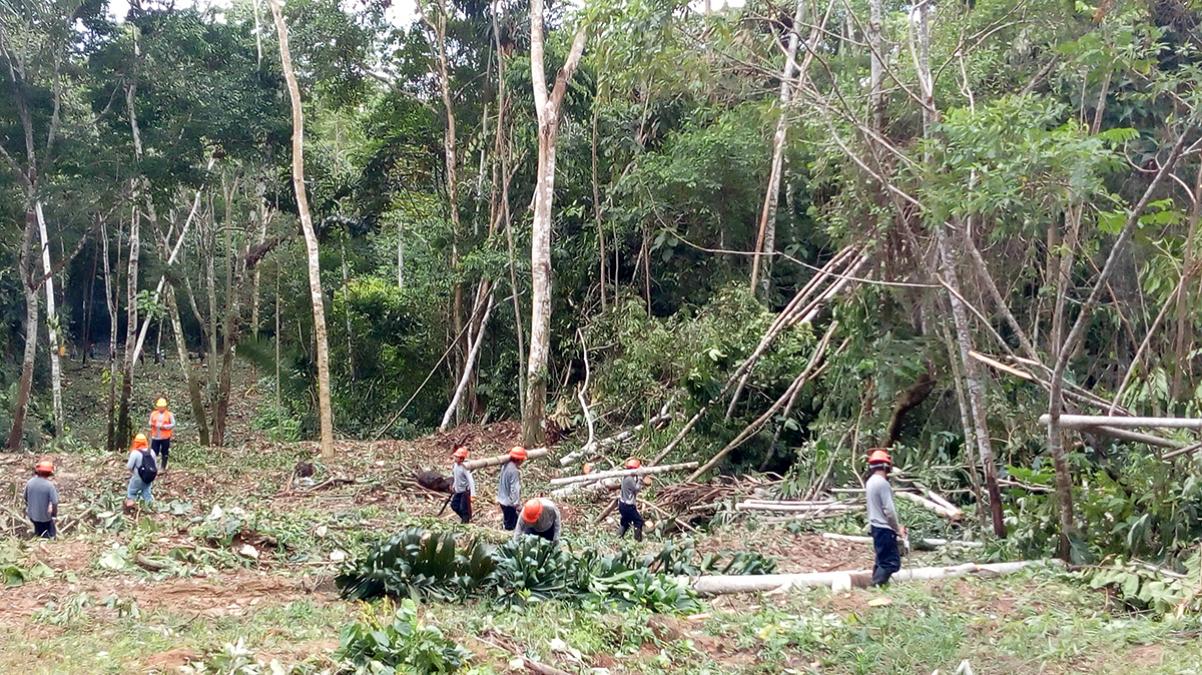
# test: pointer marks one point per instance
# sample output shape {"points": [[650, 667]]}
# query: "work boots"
{"points": [[638, 534]]}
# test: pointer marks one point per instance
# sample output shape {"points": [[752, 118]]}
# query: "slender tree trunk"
{"points": [[547, 107], [124, 426], [350, 337], [110, 303], [52, 325], [597, 210], [87, 309], [1183, 370], [876, 46], [256, 280], [29, 355], [311, 248], [199, 417], [400, 254]]}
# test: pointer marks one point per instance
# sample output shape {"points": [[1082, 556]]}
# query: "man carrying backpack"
{"points": [[142, 470], [41, 500], [162, 422]]}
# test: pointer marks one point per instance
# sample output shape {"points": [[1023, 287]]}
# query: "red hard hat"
{"points": [[45, 466], [531, 511], [633, 463], [460, 453], [517, 453], [879, 456]]}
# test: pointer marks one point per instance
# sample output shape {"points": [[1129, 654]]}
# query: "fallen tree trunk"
{"points": [[798, 507], [622, 473], [621, 437], [1091, 421], [845, 579], [607, 485], [952, 513], [498, 460], [926, 543]]}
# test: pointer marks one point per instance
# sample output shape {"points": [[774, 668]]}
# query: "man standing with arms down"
{"points": [[162, 422], [463, 486], [41, 500], [882, 517]]}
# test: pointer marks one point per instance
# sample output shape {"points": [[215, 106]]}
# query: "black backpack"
{"points": [[148, 471]]}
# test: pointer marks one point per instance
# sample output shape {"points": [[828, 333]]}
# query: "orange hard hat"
{"points": [[460, 453], [879, 456], [633, 463], [45, 466], [531, 511], [517, 453], [139, 442]]}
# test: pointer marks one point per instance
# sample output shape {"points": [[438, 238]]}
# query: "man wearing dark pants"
{"points": [[882, 517], [509, 489], [41, 500], [628, 509], [463, 486], [162, 425]]}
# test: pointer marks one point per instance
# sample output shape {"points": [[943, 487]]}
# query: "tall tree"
{"points": [[547, 107], [312, 252]]}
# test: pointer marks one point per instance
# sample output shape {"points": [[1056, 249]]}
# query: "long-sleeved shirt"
{"points": [[462, 481], [630, 489], [509, 489], [40, 495], [548, 521], [161, 424], [880, 503]]}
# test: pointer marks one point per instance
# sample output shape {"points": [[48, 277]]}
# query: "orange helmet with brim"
{"points": [[879, 456], [531, 511]]}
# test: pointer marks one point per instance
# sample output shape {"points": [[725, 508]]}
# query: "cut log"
{"points": [[799, 508], [607, 485], [926, 543], [1087, 421], [846, 579], [589, 449], [622, 473], [498, 460], [949, 513]]}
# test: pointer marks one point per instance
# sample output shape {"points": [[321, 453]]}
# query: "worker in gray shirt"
{"points": [[509, 489], [540, 517], [628, 509], [41, 500], [463, 486], [882, 517]]}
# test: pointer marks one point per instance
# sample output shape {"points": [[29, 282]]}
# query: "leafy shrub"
{"points": [[532, 569], [280, 425], [681, 558], [1145, 588], [419, 565], [385, 641]]}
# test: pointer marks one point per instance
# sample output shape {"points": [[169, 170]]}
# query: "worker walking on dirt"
{"points": [[463, 486], [41, 500], [509, 489], [882, 517], [628, 510], [540, 517], [162, 422], [142, 470]]}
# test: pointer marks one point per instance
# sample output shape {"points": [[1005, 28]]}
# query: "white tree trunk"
{"points": [[846, 579], [52, 326], [311, 249], [468, 368]]}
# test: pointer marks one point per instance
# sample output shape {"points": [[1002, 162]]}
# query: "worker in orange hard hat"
{"points": [[882, 517], [463, 486], [162, 423], [41, 500], [540, 517], [509, 488], [628, 508], [142, 470]]}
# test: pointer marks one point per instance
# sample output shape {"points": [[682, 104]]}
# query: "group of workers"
{"points": [[147, 458], [537, 516]]}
